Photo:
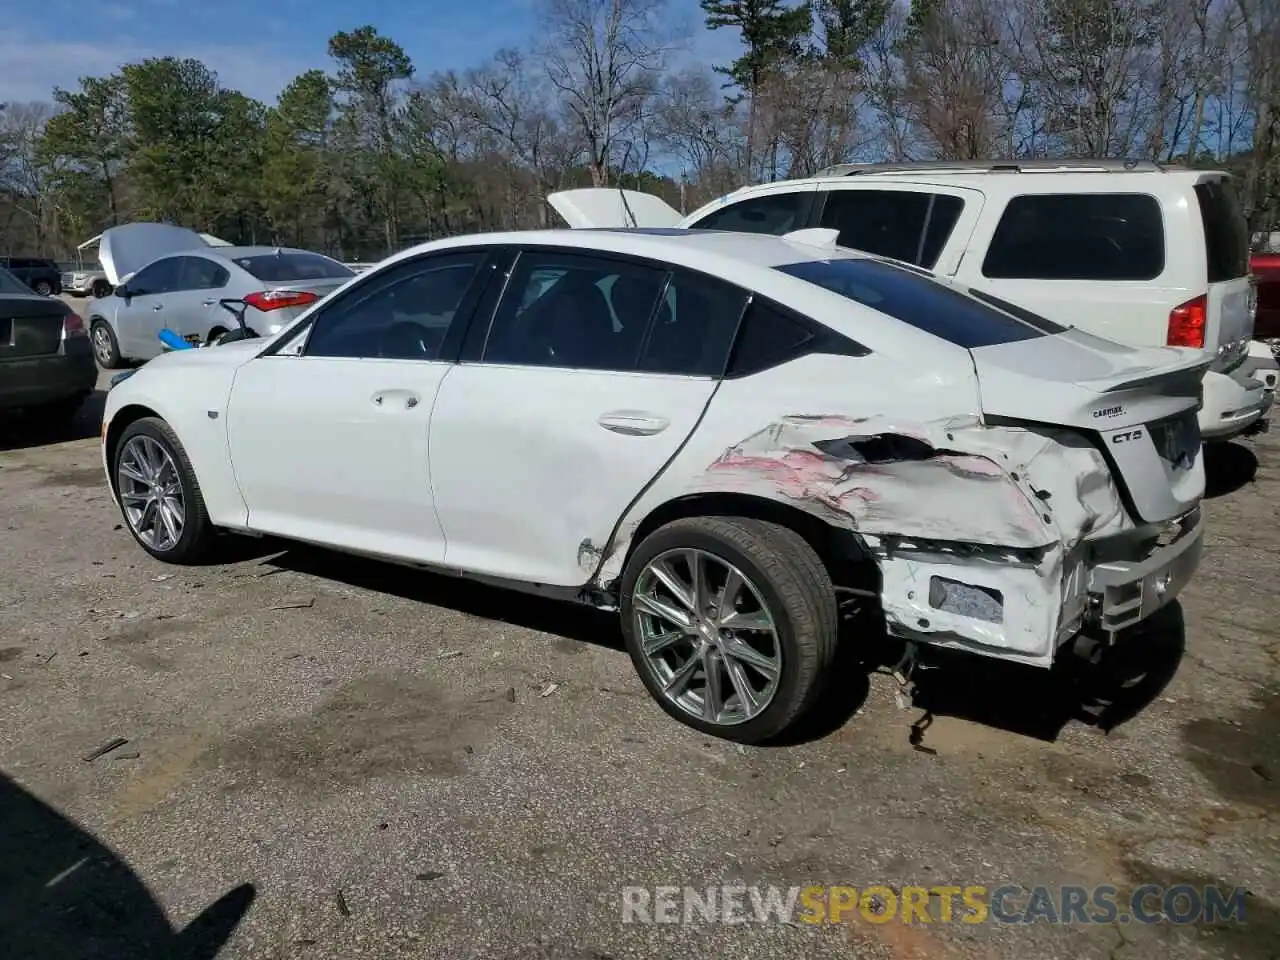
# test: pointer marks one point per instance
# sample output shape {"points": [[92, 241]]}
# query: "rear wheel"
{"points": [[159, 494], [43, 287], [105, 348], [731, 623]]}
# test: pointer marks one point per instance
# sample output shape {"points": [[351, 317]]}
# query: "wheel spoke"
{"points": [[729, 595], [746, 620], [655, 644], [747, 699], [662, 609], [678, 682], [712, 698], [663, 573], [697, 581], [131, 471], [172, 528], [742, 652]]}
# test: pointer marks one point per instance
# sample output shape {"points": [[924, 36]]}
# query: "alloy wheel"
{"points": [[707, 636], [151, 492], [102, 344]]}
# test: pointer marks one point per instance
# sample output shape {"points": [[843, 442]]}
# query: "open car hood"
{"points": [[611, 208], [128, 248]]}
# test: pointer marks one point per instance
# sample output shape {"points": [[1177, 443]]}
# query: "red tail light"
{"points": [[1187, 323], [73, 326], [279, 299]]}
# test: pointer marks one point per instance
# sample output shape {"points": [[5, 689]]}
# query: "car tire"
{"points": [[196, 536], [786, 587], [100, 288], [43, 287], [106, 349]]}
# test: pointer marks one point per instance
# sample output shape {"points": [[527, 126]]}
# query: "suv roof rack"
{"points": [[998, 166]]}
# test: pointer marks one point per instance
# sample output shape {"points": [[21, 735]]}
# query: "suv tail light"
{"points": [[279, 299], [73, 326], [1187, 323]]}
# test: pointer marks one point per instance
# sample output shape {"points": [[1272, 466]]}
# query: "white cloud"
{"points": [[33, 67]]}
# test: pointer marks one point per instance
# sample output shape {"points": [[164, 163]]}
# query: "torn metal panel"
{"points": [[995, 511]]}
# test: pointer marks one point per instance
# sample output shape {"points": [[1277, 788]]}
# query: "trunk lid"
{"points": [[126, 249], [1138, 405], [30, 326], [605, 207], [1231, 302]]}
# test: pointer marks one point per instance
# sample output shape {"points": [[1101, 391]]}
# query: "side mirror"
{"points": [[121, 291]]}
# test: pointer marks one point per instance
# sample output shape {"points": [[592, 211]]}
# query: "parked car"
{"points": [[714, 434], [39, 274], [46, 365], [1135, 252], [86, 281], [168, 277], [1266, 268]]}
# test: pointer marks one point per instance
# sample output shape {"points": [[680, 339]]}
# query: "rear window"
{"points": [[901, 224], [11, 284], [921, 302], [1226, 234], [1078, 236], [288, 267]]}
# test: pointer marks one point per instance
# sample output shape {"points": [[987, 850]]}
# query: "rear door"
{"points": [[590, 377], [1232, 297], [919, 223]]}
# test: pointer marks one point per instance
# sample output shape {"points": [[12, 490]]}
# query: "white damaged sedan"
{"points": [[712, 433]]}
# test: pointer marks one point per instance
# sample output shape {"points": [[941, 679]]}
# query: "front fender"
{"points": [[192, 400]]}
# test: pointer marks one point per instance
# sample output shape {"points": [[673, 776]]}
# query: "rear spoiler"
{"points": [[1191, 369]]}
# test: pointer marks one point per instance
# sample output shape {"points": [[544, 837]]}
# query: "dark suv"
{"points": [[42, 276]]}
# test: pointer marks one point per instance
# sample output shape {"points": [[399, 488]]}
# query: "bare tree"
{"points": [[604, 56], [26, 196]]}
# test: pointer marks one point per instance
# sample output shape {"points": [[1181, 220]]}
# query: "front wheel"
{"points": [[731, 623], [159, 494]]}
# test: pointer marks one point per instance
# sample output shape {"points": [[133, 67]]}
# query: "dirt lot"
{"points": [[332, 758]]}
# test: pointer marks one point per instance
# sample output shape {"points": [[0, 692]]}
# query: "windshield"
{"points": [[924, 303], [288, 267], [11, 284]]}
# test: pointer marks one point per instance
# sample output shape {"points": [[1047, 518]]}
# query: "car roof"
{"points": [[712, 250]]}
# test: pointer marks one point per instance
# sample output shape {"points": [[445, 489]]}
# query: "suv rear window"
{"points": [[901, 224], [1078, 236], [1226, 234], [921, 302], [288, 267]]}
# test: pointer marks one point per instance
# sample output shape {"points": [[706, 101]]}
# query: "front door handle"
{"points": [[157, 306], [633, 423], [210, 303]]}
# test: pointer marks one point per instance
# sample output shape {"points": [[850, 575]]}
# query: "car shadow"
{"points": [[1227, 468], [21, 430], [1039, 703], [558, 617], [64, 893]]}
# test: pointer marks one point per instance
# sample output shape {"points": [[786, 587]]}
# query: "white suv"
{"points": [[1132, 251]]}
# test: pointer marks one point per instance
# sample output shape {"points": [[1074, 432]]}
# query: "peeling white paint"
{"points": [[997, 507]]}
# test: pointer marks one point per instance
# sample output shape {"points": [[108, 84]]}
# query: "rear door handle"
{"points": [[633, 423]]}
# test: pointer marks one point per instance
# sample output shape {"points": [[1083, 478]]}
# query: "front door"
{"points": [[328, 430], [593, 374], [139, 317]]}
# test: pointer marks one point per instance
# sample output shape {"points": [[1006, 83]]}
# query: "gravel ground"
{"points": [[331, 758]]}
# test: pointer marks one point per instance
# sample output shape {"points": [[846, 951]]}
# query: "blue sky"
{"points": [[257, 46]]}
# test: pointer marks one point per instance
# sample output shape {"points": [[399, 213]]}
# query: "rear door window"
{"points": [[775, 213], [1226, 233], [291, 267], [1078, 236], [919, 301], [901, 224]]}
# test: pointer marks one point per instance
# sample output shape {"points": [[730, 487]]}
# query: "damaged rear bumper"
{"points": [[1122, 593]]}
